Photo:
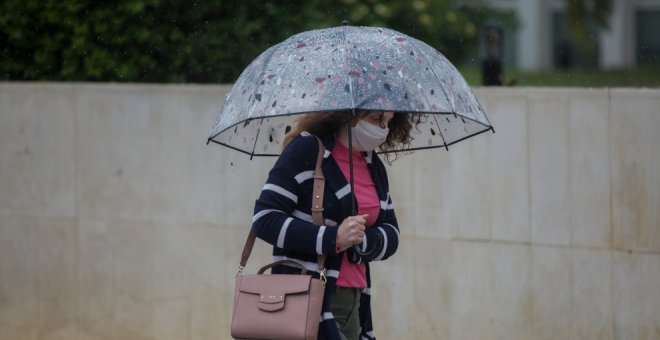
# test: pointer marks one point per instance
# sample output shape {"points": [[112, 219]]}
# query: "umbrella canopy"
{"points": [[348, 68]]}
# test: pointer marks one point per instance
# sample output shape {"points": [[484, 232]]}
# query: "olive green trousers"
{"points": [[345, 308]]}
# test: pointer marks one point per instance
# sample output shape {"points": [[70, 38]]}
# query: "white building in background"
{"points": [[541, 40]]}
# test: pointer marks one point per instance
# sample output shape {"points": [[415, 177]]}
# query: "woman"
{"points": [[282, 214]]}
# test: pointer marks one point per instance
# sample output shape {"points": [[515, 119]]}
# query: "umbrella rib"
{"points": [[270, 97], [272, 93], [444, 141], [472, 135], [438, 146], [482, 110], [243, 151], [426, 59], [348, 63], [440, 132], [256, 138]]}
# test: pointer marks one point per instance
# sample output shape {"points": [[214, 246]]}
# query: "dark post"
{"points": [[491, 66]]}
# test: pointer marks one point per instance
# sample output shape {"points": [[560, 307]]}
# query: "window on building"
{"points": [[566, 51], [648, 41]]}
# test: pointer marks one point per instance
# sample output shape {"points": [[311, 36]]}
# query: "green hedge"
{"points": [[200, 41]]}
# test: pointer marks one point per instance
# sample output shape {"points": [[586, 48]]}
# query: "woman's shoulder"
{"points": [[304, 145], [304, 142]]}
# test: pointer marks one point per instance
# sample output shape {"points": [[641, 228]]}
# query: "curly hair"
{"points": [[322, 123]]}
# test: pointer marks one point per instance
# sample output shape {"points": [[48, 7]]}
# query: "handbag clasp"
{"points": [[323, 278], [240, 271]]}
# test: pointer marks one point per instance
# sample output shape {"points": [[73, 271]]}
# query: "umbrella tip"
{"points": [[344, 23]]}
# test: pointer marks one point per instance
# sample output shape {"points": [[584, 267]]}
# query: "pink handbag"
{"points": [[281, 306]]}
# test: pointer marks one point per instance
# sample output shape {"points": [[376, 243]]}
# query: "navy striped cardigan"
{"points": [[282, 217]]}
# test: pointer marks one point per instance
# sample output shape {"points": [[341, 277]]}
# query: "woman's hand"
{"points": [[351, 231]]}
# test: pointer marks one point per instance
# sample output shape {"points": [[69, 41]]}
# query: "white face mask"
{"points": [[367, 137]]}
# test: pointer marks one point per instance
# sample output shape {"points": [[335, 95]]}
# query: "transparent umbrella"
{"points": [[348, 68]]}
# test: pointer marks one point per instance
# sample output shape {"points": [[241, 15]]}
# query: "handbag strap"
{"points": [[317, 214]]}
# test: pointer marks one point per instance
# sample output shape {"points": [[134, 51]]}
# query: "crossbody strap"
{"points": [[317, 212]]}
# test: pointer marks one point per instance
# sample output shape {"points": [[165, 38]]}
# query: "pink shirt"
{"points": [[354, 275]]}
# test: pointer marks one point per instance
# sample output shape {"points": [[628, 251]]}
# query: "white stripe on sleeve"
{"points": [[282, 235], [319, 240], [308, 218], [382, 253], [395, 230], [303, 176], [262, 213], [301, 215], [278, 189]]}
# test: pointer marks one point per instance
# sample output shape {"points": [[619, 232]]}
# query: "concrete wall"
{"points": [[118, 222]]}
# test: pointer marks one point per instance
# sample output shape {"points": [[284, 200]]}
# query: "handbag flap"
{"points": [[273, 289], [275, 284]]}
